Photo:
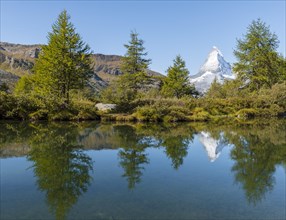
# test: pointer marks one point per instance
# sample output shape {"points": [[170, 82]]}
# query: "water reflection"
{"points": [[213, 146], [62, 167], [132, 154], [258, 149], [174, 138], [256, 159]]}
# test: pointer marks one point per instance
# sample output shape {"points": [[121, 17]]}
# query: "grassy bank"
{"points": [[23, 107]]}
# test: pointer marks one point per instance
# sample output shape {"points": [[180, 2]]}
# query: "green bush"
{"points": [[41, 114], [177, 113], [148, 113], [199, 114], [247, 113]]}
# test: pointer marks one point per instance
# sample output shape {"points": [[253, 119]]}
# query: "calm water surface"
{"points": [[142, 171]]}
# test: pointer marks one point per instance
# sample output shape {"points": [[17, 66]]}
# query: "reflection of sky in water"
{"points": [[198, 189]]}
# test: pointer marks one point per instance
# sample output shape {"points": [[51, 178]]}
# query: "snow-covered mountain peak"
{"points": [[215, 66], [215, 50], [215, 63]]}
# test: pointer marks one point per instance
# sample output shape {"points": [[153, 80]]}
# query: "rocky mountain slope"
{"points": [[215, 67], [17, 60]]}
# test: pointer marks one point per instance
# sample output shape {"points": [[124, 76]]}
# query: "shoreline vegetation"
{"points": [[59, 90]]}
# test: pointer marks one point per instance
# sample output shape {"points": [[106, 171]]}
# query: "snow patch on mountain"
{"points": [[215, 67]]}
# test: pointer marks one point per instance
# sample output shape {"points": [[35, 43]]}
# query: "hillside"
{"points": [[17, 60]]}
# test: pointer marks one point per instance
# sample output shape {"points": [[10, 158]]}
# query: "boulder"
{"points": [[105, 107]]}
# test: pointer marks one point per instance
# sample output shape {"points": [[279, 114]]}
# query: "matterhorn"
{"points": [[215, 67]]}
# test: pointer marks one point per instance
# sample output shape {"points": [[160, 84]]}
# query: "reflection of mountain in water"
{"points": [[62, 167], [213, 146]]}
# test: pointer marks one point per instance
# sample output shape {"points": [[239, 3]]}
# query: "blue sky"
{"points": [[169, 28]]}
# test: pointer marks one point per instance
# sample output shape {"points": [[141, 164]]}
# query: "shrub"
{"points": [[177, 113], [247, 113], [148, 113], [199, 114]]}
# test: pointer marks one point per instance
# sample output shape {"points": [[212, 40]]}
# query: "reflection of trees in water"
{"points": [[133, 142], [132, 160], [258, 149], [61, 167], [254, 172], [13, 131], [174, 138], [176, 148], [254, 167], [132, 154]]}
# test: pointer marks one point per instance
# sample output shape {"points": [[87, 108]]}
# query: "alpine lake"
{"points": [[97, 170]]}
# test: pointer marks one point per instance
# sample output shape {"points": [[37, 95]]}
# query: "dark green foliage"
{"points": [[259, 64], [4, 87], [134, 79], [170, 110], [64, 64], [134, 62], [17, 107], [38, 108], [246, 113], [134, 68], [177, 83], [216, 90]]}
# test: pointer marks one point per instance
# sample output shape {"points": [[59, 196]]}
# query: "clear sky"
{"points": [[188, 28]]}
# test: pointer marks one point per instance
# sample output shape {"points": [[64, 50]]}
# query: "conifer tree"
{"points": [[259, 64], [134, 62], [64, 64], [177, 83], [134, 76], [134, 65]]}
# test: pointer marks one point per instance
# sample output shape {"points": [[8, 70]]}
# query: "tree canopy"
{"points": [[134, 76], [64, 64], [259, 64], [177, 81], [134, 62]]}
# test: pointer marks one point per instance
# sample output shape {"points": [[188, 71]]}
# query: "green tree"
{"points": [[64, 64], [259, 64], [134, 67], [177, 81], [134, 76], [134, 62]]}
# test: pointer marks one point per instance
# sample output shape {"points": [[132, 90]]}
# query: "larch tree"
{"points": [[134, 76], [134, 65], [177, 83], [259, 64], [134, 59], [64, 63]]}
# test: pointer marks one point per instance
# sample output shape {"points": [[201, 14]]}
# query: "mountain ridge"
{"points": [[19, 59]]}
